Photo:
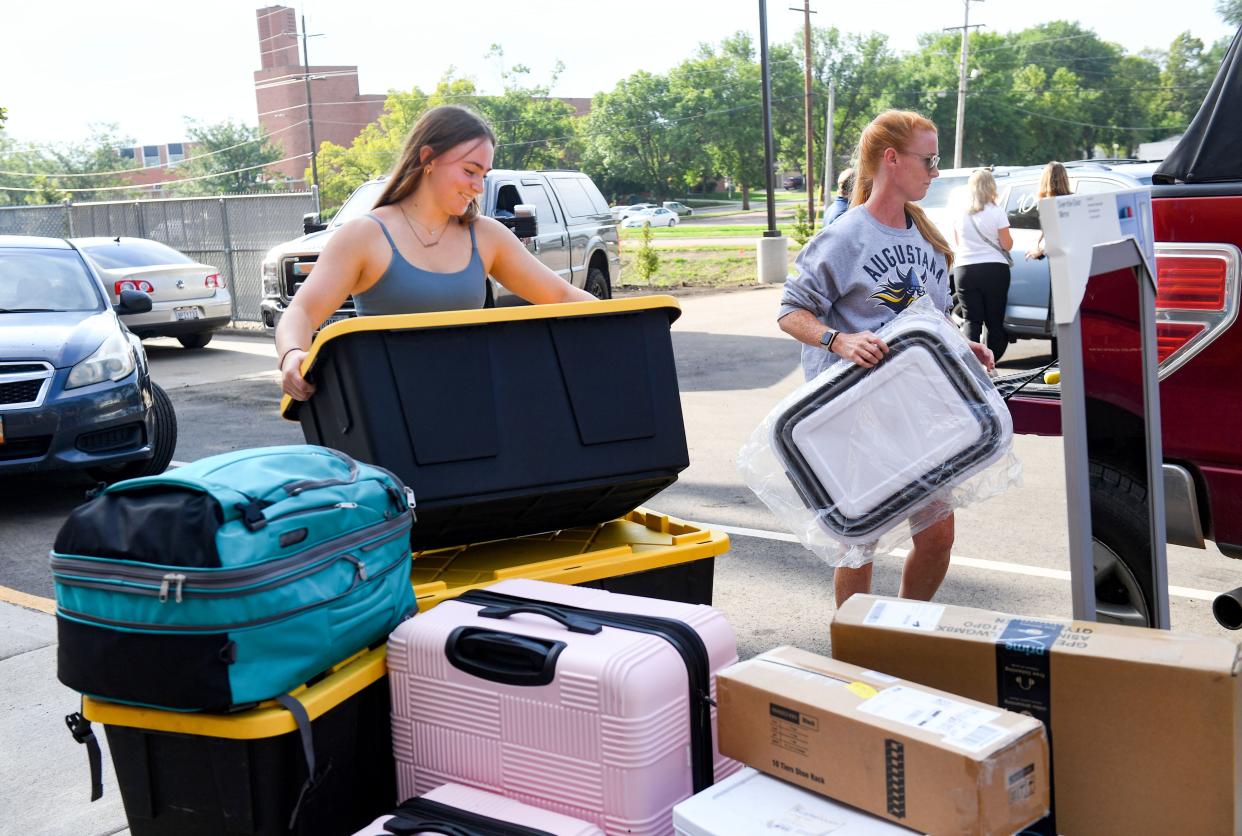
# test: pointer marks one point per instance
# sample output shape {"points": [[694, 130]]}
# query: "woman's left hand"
{"points": [[984, 355]]}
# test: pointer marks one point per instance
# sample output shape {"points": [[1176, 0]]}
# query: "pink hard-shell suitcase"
{"points": [[592, 704], [454, 809]]}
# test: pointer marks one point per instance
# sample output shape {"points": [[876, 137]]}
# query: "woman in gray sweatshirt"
{"points": [[859, 273]]}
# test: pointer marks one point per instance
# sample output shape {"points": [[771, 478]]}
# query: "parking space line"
{"points": [[958, 560], [26, 600]]}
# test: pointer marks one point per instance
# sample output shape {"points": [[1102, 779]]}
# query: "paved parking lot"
{"points": [[733, 364]]}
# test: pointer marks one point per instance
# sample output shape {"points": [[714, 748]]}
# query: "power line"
{"points": [[170, 165], [163, 182], [1089, 124]]}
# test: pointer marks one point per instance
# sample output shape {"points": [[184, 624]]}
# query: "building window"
{"points": [[176, 152], [150, 156], [125, 153]]}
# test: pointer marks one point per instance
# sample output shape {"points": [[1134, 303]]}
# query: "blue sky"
{"points": [[147, 66]]}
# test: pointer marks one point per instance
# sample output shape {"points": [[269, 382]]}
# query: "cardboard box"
{"points": [[919, 757], [1144, 724], [749, 803]]}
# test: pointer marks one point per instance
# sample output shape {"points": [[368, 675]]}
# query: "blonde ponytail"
{"points": [[894, 129]]}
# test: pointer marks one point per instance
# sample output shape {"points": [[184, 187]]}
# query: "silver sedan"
{"points": [[189, 300]]}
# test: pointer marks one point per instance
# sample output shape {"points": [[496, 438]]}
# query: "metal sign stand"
{"points": [[1107, 258], [1084, 238]]}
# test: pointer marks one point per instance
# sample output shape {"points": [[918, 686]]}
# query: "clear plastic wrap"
{"points": [[857, 461]]}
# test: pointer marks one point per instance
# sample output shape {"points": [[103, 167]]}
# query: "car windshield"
{"points": [[939, 191], [134, 252], [45, 280], [360, 202]]}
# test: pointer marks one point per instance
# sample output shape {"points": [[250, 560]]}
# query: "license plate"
{"points": [[334, 319], [186, 313]]}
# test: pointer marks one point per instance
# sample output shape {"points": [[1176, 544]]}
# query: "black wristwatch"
{"points": [[827, 338]]}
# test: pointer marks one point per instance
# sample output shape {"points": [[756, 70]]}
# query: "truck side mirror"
{"points": [[310, 223], [523, 222]]}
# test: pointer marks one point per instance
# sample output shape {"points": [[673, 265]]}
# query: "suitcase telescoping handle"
{"points": [[571, 622]]}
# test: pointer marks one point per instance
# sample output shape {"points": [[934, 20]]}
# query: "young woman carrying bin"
{"points": [[425, 246], [858, 274]]}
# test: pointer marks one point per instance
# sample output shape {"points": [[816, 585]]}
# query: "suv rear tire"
{"points": [[597, 284], [198, 340], [163, 444], [1121, 546]]}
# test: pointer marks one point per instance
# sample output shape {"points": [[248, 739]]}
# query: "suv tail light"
{"points": [[1196, 299], [214, 280], [132, 284]]}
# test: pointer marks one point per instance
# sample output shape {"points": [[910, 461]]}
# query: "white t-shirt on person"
{"points": [[972, 249]]}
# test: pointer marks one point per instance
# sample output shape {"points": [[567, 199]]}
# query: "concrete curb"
{"points": [[45, 780]]}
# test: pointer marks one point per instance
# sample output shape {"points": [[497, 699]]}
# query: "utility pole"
{"points": [[310, 118], [809, 179], [829, 178], [961, 83]]}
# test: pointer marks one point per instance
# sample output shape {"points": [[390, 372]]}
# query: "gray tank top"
{"points": [[404, 288]]}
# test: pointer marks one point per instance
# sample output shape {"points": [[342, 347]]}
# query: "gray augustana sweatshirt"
{"points": [[858, 274]]}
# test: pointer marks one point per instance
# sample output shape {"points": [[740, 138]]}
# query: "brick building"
{"points": [[157, 163], [340, 111]]}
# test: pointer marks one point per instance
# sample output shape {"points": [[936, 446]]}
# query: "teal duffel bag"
{"points": [[230, 580]]}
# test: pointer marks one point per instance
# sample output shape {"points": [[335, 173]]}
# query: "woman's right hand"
{"points": [[864, 348], [291, 381]]}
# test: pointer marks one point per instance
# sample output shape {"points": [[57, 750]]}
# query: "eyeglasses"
{"points": [[932, 161]]}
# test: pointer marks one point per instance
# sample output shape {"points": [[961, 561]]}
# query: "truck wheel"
{"points": [[198, 340], [597, 284], [1121, 547], [163, 443]]}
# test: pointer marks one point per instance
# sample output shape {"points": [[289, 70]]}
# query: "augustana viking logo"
{"points": [[899, 294]]}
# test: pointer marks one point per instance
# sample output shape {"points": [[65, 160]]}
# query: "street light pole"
{"points": [[771, 231], [961, 83]]}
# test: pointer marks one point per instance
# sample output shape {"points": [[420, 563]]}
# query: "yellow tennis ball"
{"points": [[1052, 377]]}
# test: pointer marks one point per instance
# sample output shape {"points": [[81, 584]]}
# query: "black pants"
{"points": [[983, 290]]}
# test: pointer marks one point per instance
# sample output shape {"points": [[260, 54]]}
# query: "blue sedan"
{"points": [[75, 391]]}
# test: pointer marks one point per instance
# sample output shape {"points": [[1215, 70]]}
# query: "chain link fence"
{"points": [[231, 233]]}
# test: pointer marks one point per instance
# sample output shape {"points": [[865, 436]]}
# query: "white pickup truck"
{"points": [[576, 236]]}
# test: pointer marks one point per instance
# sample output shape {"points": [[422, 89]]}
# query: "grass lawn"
{"points": [[699, 267], [635, 234]]}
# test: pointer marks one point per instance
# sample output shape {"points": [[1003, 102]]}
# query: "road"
{"points": [[734, 365]]}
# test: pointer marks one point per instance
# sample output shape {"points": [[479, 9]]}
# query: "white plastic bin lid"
{"points": [[749, 803], [885, 433]]}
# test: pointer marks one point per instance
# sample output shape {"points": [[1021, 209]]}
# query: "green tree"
{"points": [[533, 129], [639, 133], [862, 68], [82, 171], [1230, 11], [1188, 72], [646, 260], [723, 94], [237, 154]]}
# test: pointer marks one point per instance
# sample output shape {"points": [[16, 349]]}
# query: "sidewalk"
{"points": [[44, 777]]}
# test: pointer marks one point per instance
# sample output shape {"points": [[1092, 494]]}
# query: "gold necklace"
{"points": [[431, 232]]}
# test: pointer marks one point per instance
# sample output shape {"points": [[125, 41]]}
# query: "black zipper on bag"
{"points": [[422, 815], [684, 639]]}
